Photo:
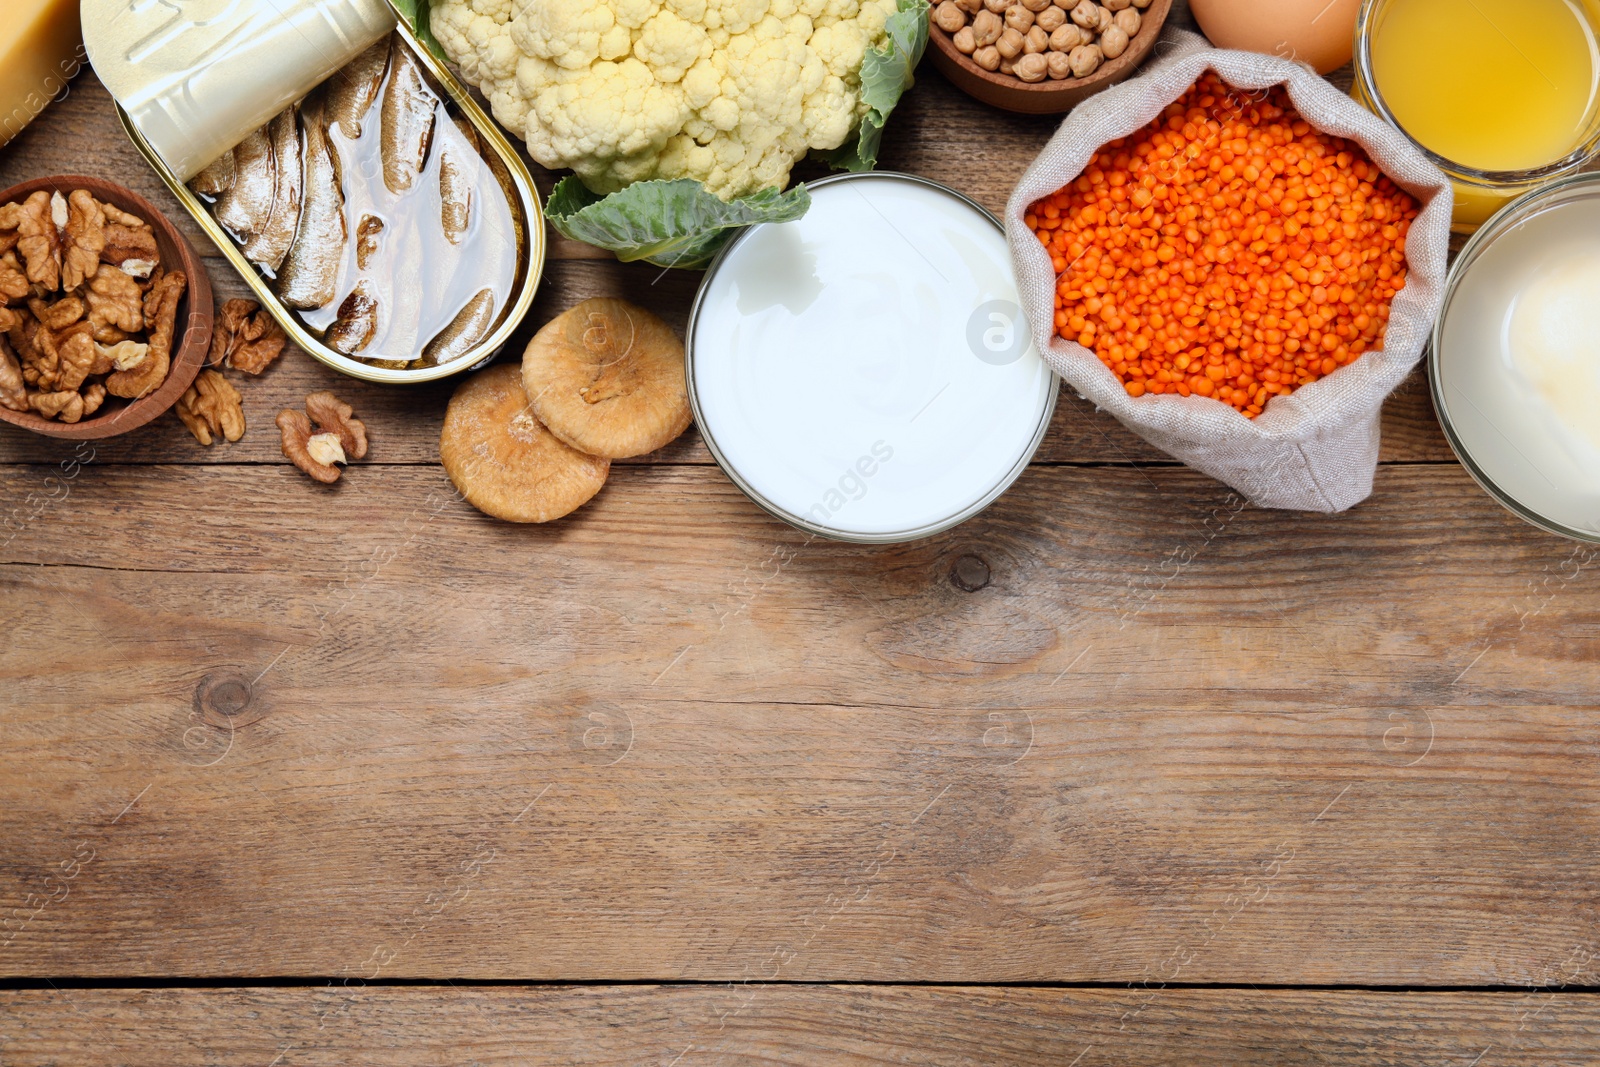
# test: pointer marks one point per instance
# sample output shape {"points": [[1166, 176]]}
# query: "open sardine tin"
{"points": [[371, 205]]}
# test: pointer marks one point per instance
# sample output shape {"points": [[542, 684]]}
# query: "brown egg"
{"points": [[1319, 32]]}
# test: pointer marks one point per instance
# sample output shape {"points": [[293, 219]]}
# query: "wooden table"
{"points": [[1120, 772]]}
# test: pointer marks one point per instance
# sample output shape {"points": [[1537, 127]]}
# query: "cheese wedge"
{"points": [[41, 50]]}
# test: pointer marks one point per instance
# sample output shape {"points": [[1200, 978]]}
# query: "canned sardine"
{"points": [[377, 213]]}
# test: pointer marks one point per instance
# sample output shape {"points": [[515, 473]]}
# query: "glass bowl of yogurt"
{"points": [[1515, 365], [865, 372]]}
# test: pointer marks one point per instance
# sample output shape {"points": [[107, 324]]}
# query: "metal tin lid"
{"points": [[197, 77]]}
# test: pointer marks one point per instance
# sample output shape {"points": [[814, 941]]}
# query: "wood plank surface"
{"points": [[685, 1026], [670, 738]]}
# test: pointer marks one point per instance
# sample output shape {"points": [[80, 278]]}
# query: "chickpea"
{"points": [[971, 7], [1060, 65], [1035, 6], [1113, 42], [964, 40], [987, 57], [1033, 67], [1066, 38], [1106, 18], [1087, 15], [1010, 44], [1128, 21], [1085, 60], [1035, 40], [1050, 19], [1008, 66], [948, 17], [1019, 18], [997, 6], [1141, 4], [1115, 5], [986, 29]]}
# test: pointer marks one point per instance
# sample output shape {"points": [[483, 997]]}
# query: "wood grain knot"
{"points": [[969, 574], [226, 699]]}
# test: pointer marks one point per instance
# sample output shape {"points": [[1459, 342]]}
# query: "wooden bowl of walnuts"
{"points": [[1042, 57], [105, 309]]}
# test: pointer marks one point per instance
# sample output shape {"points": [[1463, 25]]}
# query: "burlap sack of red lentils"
{"points": [[1315, 449]]}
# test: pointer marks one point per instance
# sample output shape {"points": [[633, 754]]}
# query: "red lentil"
{"points": [[1227, 249]]}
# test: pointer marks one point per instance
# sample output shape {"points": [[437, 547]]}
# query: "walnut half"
{"points": [[159, 314], [336, 438], [66, 405], [37, 222], [212, 408], [85, 239], [246, 338], [13, 391]]}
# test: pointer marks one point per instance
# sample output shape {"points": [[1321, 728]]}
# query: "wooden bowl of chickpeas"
{"points": [[1042, 57]]}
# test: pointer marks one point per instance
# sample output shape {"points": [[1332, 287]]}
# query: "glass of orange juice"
{"points": [[1502, 96]]}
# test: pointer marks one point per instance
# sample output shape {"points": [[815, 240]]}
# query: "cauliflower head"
{"points": [[730, 92]]}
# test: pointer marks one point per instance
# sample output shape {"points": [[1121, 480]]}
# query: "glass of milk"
{"points": [[1515, 365], [865, 372]]}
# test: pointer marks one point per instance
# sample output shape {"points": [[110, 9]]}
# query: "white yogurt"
{"points": [[865, 372], [1517, 366]]}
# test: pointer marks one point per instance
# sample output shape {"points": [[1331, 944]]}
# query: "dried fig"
{"points": [[607, 378], [503, 459]]}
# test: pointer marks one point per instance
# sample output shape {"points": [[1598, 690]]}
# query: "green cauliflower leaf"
{"points": [[675, 223], [886, 73]]}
